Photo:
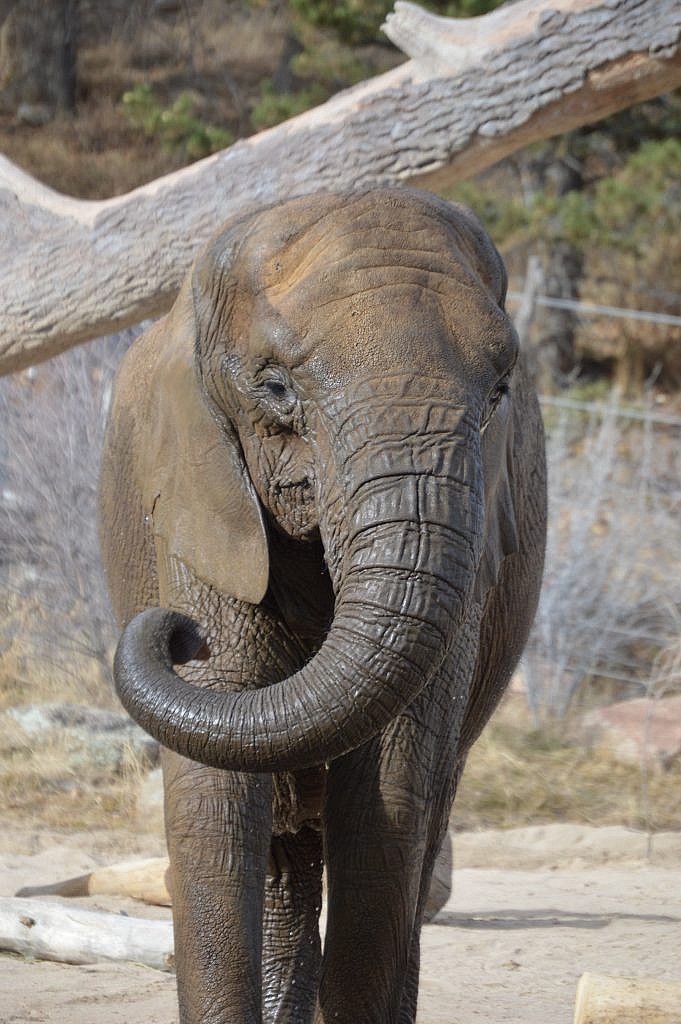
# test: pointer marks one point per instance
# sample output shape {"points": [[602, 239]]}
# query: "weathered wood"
{"points": [[70, 935], [145, 880], [604, 1000], [476, 90]]}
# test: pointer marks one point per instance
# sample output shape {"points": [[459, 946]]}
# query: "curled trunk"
{"points": [[404, 572]]}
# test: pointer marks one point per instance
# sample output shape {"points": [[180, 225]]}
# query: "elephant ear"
{"points": [[196, 487], [501, 528]]}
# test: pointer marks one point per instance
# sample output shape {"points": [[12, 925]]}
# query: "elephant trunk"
{"points": [[404, 568]]}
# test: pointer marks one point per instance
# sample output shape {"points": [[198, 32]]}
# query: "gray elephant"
{"points": [[323, 496]]}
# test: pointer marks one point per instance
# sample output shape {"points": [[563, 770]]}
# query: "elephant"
{"points": [[322, 518]]}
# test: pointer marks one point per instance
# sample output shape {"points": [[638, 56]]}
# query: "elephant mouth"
{"points": [[292, 504], [292, 488]]}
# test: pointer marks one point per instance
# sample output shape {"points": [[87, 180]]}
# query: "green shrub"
{"points": [[501, 215], [621, 211], [177, 127], [331, 64], [274, 107], [354, 21]]}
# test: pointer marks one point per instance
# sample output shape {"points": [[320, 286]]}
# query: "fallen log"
{"points": [[474, 91], [605, 1000], [70, 935], [145, 880]]}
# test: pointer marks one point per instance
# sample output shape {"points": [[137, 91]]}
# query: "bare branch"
{"points": [[478, 90]]}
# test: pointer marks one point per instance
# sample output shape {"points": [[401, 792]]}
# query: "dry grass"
{"points": [[29, 675], [220, 53], [94, 157], [518, 775], [40, 787]]}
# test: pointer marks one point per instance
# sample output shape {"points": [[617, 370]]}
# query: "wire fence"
{"points": [[609, 618], [594, 309], [624, 413]]}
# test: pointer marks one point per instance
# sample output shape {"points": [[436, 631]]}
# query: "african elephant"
{"points": [[323, 495]]}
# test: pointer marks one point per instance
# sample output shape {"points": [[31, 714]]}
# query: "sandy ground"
{"points": [[531, 910]]}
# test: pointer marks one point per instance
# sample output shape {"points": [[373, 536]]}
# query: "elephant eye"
{"points": [[276, 388], [276, 398], [497, 395], [274, 385]]}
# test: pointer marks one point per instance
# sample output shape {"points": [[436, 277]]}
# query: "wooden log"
{"points": [[67, 934], [605, 1000], [475, 91], [145, 880]]}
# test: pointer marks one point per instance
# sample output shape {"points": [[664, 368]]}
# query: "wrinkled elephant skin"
{"points": [[323, 515]]}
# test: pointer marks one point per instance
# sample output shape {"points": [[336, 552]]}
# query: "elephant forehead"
{"points": [[328, 258], [372, 316], [382, 278], [372, 227]]}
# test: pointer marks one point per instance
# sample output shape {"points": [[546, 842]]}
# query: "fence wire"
{"points": [[609, 616]]}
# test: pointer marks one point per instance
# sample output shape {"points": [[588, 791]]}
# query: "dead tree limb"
{"points": [[56, 931], [475, 91]]}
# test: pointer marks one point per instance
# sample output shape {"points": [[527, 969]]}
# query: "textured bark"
{"points": [[476, 90]]}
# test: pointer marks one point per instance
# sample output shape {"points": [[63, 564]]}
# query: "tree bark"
{"points": [[475, 91], [38, 59]]}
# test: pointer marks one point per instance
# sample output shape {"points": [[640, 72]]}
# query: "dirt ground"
{"points": [[531, 910]]}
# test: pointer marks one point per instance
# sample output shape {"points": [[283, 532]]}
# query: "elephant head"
{"points": [[336, 367]]}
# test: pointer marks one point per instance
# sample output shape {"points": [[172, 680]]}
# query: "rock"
{"points": [[639, 730], [35, 114], [93, 737]]}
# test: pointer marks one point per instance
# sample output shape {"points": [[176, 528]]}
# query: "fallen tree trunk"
{"points": [[475, 90], [604, 1000], [56, 931]]}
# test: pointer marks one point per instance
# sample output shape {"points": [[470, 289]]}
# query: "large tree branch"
{"points": [[475, 90]]}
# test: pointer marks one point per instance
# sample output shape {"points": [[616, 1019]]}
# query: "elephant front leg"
{"points": [[439, 841], [386, 814], [218, 827], [375, 852]]}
